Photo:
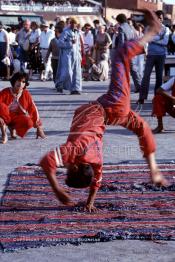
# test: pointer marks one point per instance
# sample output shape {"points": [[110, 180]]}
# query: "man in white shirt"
{"points": [[45, 38], [88, 42], [164, 102], [4, 50], [156, 55], [88, 38], [12, 35]]}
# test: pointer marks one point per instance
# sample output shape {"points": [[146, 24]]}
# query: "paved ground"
{"points": [[119, 144]]}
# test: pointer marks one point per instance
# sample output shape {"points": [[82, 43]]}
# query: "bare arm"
{"points": [[94, 189], [109, 41], [8, 46], [82, 44], [156, 176], [90, 201], [58, 190]]}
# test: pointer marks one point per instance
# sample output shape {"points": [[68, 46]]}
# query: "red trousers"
{"points": [[137, 125], [162, 105], [116, 102], [20, 122]]}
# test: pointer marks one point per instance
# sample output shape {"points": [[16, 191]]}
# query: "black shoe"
{"points": [[59, 90], [140, 101], [75, 92], [136, 91], [158, 130]]}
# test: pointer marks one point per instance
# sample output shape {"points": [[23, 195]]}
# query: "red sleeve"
{"points": [[97, 177], [4, 95], [69, 152], [1, 97]]}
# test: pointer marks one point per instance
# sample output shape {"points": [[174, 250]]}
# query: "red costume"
{"points": [[162, 104], [116, 101], [84, 144], [18, 111]]}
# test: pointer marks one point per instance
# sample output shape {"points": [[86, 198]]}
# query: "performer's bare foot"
{"points": [[12, 133], [152, 21], [158, 179], [4, 139], [154, 27], [158, 130]]}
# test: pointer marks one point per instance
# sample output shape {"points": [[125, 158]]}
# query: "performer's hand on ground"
{"points": [[90, 208], [158, 179], [40, 133], [64, 198], [2, 121]]}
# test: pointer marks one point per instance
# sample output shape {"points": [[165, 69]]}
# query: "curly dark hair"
{"points": [[19, 76], [159, 13], [80, 177], [121, 18]]}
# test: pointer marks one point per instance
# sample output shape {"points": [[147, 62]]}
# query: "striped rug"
{"points": [[129, 208]]}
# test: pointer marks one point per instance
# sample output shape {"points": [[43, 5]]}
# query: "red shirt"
{"points": [[84, 143], [25, 104]]}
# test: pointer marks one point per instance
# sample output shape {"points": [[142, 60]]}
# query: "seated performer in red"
{"points": [[17, 109], [164, 102], [82, 153]]}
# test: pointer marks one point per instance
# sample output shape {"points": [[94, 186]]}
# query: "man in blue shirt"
{"points": [[155, 57]]}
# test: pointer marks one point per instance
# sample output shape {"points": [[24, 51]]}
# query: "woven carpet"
{"points": [[129, 208]]}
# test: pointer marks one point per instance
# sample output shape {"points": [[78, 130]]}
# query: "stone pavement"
{"points": [[56, 112]]}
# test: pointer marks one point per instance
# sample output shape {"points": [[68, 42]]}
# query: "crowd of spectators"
{"points": [[40, 49], [47, 3]]}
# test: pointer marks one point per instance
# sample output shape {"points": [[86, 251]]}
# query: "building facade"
{"points": [[133, 4], [129, 7], [169, 10]]}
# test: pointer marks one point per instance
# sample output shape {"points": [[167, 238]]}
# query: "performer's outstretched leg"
{"points": [[117, 100]]}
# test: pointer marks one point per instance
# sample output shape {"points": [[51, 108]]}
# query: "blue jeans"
{"points": [[135, 74], [151, 61]]}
